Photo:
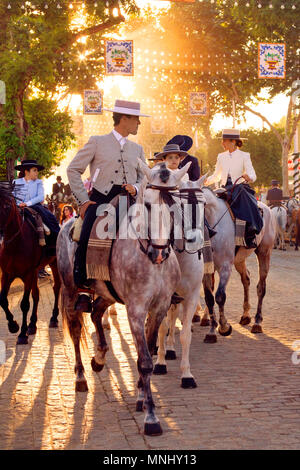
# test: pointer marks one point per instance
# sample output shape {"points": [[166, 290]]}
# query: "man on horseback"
{"points": [[114, 167], [58, 187], [29, 192], [274, 195], [232, 165]]}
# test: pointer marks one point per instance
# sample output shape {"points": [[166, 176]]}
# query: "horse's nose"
{"points": [[157, 256]]}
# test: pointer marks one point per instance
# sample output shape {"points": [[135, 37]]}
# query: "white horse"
{"points": [[280, 215], [144, 273], [191, 266], [225, 256]]}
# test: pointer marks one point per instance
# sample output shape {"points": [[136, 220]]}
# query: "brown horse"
{"points": [[21, 256]]}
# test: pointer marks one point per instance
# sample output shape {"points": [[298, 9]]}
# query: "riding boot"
{"points": [[250, 237], [211, 231], [84, 303]]}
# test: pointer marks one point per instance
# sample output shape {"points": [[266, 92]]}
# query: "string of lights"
{"points": [[60, 4]]}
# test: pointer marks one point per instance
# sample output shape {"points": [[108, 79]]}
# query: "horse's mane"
{"points": [[6, 190], [211, 190], [7, 196], [164, 173]]}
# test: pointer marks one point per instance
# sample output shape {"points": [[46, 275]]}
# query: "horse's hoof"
{"points": [[256, 328], [204, 322], [53, 323], [139, 406], [170, 355], [188, 382], [210, 339], [81, 386], [31, 330], [226, 333], [13, 327], [245, 321], [152, 429], [196, 319], [160, 369], [22, 340], [95, 366]]}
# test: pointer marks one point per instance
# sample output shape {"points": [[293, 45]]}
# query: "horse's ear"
{"points": [[145, 169], [201, 180], [180, 173]]}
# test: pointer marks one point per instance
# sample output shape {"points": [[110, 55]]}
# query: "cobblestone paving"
{"points": [[248, 388]]}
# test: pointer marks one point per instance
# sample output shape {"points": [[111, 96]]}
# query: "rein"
{"points": [[229, 205], [167, 198]]}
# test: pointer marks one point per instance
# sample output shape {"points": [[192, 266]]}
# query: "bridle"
{"points": [[191, 195], [168, 199]]}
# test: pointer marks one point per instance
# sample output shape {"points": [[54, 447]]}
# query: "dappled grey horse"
{"points": [[225, 256], [191, 265], [280, 215], [144, 272]]}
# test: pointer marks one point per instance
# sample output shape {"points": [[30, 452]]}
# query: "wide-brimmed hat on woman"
{"points": [[27, 164], [232, 134], [184, 141], [170, 148]]}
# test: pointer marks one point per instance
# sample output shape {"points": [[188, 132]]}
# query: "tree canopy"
{"points": [[41, 45]]}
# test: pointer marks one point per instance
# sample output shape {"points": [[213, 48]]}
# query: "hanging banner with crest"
{"points": [[119, 57], [198, 103], [271, 60], [92, 102], [157, 126]]}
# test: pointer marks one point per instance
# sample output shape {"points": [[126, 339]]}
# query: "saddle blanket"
{"points": [[98, 252], [100, 243]]}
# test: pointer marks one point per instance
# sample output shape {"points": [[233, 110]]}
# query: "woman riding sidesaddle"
{"points": [[29, 192]]}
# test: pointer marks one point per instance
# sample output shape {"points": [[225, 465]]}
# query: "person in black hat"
{"points": [[29, 192], [274, 195], [185, 143], [58, 187]]}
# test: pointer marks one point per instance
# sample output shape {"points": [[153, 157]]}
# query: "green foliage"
{"points": [[42, 55], [51, 133]]}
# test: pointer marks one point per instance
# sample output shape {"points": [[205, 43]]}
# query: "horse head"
{"points": [[8, 207], [157, 200]]}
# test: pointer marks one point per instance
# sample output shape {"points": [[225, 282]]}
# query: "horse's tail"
{"points": [[71, 320]]}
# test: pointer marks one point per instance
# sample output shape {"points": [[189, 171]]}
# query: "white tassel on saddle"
{"points": [[46, 229]]}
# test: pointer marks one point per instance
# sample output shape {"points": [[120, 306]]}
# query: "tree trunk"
{"points": [[21, 130], [10, 170], [285, 175]]}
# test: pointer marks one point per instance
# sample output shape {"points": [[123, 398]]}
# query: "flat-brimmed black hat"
{"points": [[27, 164], [185, 142], [170, 148], [274, 182]]}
